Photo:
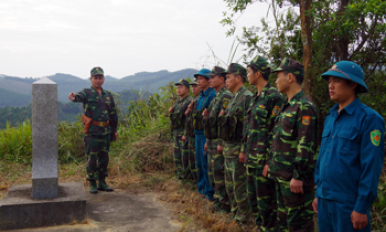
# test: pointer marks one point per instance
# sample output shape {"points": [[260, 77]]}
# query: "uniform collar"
{"points": [[94, 90], [350, 108], [223, 89], [264, 91], [296, 98], [181, 100], [206, 92]]}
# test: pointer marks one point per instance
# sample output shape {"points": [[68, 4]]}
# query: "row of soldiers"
{"points": [[256, 152]]}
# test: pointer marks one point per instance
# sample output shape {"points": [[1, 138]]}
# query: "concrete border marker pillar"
{"points": [[44, 139]]}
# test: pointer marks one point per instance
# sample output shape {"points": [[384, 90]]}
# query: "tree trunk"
{"points": [[306, 34]]}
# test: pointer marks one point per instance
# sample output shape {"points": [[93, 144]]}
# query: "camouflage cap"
{"points": [[97, 71], [193, 82], [217, 70], [236, 69], [183, 82], [290, 65], [261, 64]]}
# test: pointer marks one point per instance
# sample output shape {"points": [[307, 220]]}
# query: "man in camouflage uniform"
{"points": [[216, 159], [178, 121], [98, 105], [231, 131], [293, 151], [188, 138], [264, 108]]}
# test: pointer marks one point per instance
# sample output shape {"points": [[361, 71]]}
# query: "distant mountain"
{"points": [[16, 91]]}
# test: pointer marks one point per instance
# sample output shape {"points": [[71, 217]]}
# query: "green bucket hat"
{"points": [[217, 70], [193, 82], [261, 64], [236, 69], [183, 82], [97, 71], [290, 65]]}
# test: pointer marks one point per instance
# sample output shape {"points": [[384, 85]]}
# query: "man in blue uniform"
{"points": [[205, 98], [351, 155]]}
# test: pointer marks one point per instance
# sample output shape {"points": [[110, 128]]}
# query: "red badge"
{"points": [[306, 120]]}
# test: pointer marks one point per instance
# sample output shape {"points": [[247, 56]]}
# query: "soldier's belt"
{"points": [[100, 124]]}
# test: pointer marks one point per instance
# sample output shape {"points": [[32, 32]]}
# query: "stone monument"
{"points": [[45, 202]]}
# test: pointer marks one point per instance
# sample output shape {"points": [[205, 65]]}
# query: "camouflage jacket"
{"points": [[99, 107], [230, 126], [189, 128], [177, 117], [220, 102], [293, 150], [262, 113]]}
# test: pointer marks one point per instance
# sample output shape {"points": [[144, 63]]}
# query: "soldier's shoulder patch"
{"points": [[306, 120], [262, 106], [375, 136], [275, 110], [225, 104]]}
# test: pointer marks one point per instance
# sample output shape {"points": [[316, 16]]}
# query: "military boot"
{"points": [[102, 186], [93, 186]]}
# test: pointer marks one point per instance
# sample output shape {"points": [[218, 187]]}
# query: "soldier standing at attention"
{"points": [[263, 110], [188, 138], [293, 149], [178, 120], [231, 131], [216, 159], [351, 155], [101, 122], [206, 96]]}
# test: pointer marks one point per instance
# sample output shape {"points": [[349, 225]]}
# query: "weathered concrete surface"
{"points": [[121, 211], [44, 139], [18, 210]]}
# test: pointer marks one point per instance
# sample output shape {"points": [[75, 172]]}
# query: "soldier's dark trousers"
{"points": [[217, 174], [235, 182], [335, 216], [262, 199], [203, 184], [189, 159], [97, 152], [295, 212], [177, 154]]}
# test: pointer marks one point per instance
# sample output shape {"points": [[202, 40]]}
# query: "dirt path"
{"points": [[121, 211]]}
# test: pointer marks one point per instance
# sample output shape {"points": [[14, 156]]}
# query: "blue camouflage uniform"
{"points": [[349, 164], [204, 100]]}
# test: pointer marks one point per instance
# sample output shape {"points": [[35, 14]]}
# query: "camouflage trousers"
{"points": [[217, 175], [97, 152], [236, 186], [262, 199], [177, 154], [295, 211], [189, 159]]}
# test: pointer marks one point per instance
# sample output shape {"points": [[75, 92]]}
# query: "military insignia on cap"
{"points": [[334, 67], [275, 110], [96, 68], [306, 120], [225, 104], [180, 80], [375, 136], [107, 98]]}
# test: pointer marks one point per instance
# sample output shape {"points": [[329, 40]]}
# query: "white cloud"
{"points": [[43, 37]]}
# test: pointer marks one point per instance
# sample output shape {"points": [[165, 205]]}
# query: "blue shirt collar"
{"points": [[350, 108], [206, 92]]}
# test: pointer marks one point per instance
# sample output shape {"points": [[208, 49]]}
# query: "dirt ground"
{"points": [[121, 211]]}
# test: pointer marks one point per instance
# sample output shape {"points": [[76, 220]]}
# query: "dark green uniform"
{"points": [[216, 160], [178, 121], [262, 113], [101, 108], [293, 156], [189, 149], [231, 131]]}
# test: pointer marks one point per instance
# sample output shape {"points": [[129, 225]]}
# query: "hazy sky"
{"points": [[44, 37]]}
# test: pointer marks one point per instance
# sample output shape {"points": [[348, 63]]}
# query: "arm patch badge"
{"points": [[275, 110], [375, 136], [225, 104], [306, 120]]}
